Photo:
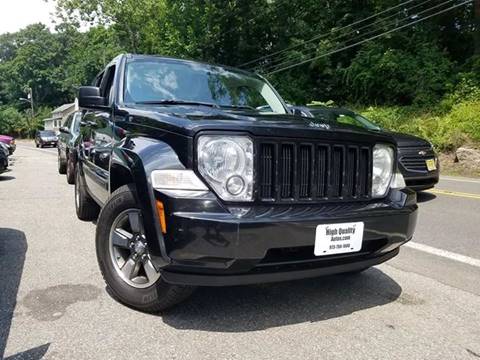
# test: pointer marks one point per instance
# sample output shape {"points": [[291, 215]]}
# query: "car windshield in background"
{"points": [[47, 133], [167, 82], [346, 118]]}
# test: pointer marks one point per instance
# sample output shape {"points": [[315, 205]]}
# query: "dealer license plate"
{"points": [[431, 166], [338, 238]]}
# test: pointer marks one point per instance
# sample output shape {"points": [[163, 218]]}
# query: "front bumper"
{"points": [[419, 183], [327, 267], [210, 244]]}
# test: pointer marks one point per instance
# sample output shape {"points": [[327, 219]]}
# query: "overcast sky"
{"points": [[16, 14]]}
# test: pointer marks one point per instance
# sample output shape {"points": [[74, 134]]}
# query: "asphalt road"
{"points": [[423, 304]]}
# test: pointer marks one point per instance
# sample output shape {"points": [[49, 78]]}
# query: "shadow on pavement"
{"points": [[251, 308], [32, 354], [6, 178], [13, 246], [425, 196]]}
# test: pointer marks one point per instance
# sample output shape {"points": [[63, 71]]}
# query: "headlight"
{"points": [[226, 163], [382, 169], [185, 180]]}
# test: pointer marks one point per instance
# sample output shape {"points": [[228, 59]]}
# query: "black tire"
{"points": [[87, 209], [36, 145], [152, 299], [70, 170], [62, 166]]}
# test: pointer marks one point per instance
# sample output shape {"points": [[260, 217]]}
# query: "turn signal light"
{"points": [[161, 216]]}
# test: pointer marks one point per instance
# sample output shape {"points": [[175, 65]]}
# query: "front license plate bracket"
{"points": [[339, 238]]}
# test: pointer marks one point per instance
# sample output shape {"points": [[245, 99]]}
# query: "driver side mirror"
{"points": [[64, 130], [89, 97], [297, 112]]}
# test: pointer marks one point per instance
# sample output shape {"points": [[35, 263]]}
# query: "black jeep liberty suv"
{"points": [[200, 176]]}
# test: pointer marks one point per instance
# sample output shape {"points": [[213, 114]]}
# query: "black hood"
{"points": [[406, 140], [186, 120]]}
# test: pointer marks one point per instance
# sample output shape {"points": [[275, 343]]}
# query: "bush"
{"points": [[446, 130], [461, 125], [14, 122], [10, 120]]}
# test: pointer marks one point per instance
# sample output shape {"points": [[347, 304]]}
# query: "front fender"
{"points": [[138, 157]]}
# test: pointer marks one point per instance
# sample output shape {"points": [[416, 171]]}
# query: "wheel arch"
{"points": [[120, 175], [132, 164]]}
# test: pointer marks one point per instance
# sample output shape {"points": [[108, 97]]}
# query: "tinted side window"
{"points": [[98, 80], [68, 122], [76, 123], [106, 89]]}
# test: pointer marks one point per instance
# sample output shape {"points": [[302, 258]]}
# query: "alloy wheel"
{"points": [[129, 251]]}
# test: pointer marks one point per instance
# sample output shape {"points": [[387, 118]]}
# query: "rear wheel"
{"points": [[62, 166], [70, 171], [87, 209], [124, 257]]}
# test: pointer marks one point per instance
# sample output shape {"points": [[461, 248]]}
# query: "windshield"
{"points": [[174, 82], [346, 118], [47, 133], [366, 123]]}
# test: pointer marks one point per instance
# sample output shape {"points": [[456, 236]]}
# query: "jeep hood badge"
{"points": [[319, 125]]}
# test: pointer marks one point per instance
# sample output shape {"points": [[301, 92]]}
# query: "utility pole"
{"points": [[29, 99]]}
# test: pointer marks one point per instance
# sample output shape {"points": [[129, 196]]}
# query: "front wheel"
{"points": [[124, 257], [62, 167], [70, 171]]}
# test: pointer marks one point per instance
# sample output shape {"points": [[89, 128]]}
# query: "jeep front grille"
{"points": [[313, 171]]}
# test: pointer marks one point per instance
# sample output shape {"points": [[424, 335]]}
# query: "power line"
{"points": [[280, 60], [371, 38], [317, 37], [278, 64]]}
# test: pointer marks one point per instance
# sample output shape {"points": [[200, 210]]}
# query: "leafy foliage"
{"points": [[392, 75], [446, 130], [422, 79]]}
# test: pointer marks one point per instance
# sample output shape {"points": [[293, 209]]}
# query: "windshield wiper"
{"points": [[176, 102], [240, 107]]}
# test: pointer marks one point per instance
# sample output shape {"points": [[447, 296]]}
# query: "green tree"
{"points": [[398, 75]]}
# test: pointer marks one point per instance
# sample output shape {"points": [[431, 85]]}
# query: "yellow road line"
{"points": [[455, 193]]}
